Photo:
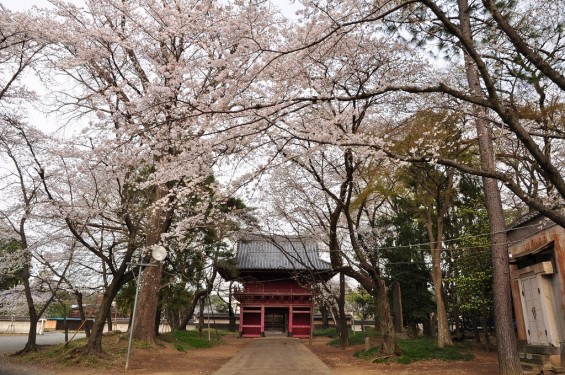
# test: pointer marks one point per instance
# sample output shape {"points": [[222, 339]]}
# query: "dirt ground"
{"points": [[342, 362], [169, 361]]}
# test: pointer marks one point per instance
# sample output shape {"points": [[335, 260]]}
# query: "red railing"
{"points": [[260, 289]]}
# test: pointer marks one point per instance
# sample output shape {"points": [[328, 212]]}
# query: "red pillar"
{"points": [[311, 323], [240, 319], [262, 320], [290, 321]]}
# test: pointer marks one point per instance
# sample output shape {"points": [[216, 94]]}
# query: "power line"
{"points": [[425, 246]]}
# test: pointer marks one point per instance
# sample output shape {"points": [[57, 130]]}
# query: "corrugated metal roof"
{"points": [[259, 252]]}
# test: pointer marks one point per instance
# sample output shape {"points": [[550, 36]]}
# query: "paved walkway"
{"points": [[275, 356]]}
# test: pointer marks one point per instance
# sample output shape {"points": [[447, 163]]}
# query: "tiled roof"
{"points": [[259, 252], [524, 219]]}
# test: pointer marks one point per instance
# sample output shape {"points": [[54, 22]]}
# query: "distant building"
{"points": [[276, 272]]}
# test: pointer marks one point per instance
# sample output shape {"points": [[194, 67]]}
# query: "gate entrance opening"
{"points": [[276, 320]]}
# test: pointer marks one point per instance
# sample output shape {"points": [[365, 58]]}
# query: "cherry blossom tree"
{"points": [[154, 80], [514, 54], [33, 238], [21, 44]]}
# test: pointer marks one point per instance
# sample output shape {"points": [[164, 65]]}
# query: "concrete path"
{"points": [[275, 356]]}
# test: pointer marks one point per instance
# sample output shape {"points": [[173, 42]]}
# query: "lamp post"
{"points": [[159, 253]]}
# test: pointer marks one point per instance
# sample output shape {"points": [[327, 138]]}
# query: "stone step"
{"points": [[534, 359], [539, 349], [547, 369], [554, 370]]}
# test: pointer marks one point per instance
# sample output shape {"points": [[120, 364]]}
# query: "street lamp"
{"points": [[159, 253]]}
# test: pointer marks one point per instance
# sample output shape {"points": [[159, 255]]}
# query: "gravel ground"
{"points": [[7, 368]]}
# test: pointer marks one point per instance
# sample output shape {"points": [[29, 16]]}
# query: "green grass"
{"points": [[426, 348], [185, 340], [69, 355], [354, 339], [115, 349], [325, 332], [420, 349]]}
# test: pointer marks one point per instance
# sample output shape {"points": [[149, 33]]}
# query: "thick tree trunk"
{"points": [[148, 300], [508, 359], [436, 243], [201, 293], [231, 314], [443, 334], [82, 314], [342, 317], [485, 331], [94, 344], [31, 344], [383, 320], [109, 321], [201, 316]]}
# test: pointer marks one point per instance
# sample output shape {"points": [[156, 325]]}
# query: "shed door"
{"points": [[535, 324]]}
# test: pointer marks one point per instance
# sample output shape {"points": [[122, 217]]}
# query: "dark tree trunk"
{"points": [[31, 344], [427, 325], [65, 324], [231, 314], [476, 332], [174, 319], [343, 329], [109, 321], [94, 344], [485, 330], [383, 320], [201, 316], [190, 310], [508, 359], [457, 320], [82, 314], [157, 322], [201, 293]]}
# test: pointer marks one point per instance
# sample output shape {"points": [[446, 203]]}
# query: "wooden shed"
{"points": [[537, 270], [275, 273]]}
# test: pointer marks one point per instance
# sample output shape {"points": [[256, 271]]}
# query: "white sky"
{"points": [[50, 123], [288, 7], [28, 4]]}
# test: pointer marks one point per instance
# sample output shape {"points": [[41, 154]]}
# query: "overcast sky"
{"points": [[288, 7], [51, 123], [24, 4]]}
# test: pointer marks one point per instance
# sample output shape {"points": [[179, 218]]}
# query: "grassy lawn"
{"points": [[356, 338], [421, 349], [69, 355], [184, 340], [115, 348], [413, 350]]}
